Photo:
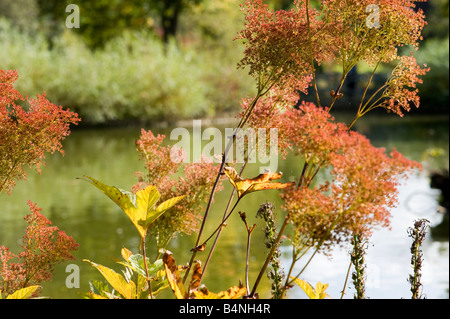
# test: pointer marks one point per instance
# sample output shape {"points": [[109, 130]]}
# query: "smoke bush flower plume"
{"points": [[26, 135], [43, 245]]}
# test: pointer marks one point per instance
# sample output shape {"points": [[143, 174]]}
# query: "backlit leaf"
{"points": [[121, 198], [126, 253], [306, 287], [137, 264], [320, 290], [23, 293], [260, 182], [126, 289], [232, 293], [317, 293], [141, 208], [152, 215], [145, 202]]}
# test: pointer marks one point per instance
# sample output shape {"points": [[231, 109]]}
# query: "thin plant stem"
{"points": [[313, 71], [249, 235], [368, 84], [346, 279], [208, 206], [319, 245], [269, 256], [302, 176], [243, 121], [336, 94], [221, 225], [219, 232], [224, 215], [295, 258], [146, 268]]}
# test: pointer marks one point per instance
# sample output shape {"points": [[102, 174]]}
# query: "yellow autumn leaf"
{"points": [[118, 196], [140, 208], [320, 290], [126, 253], [260, 182], [317, 293], [173, 276], [196, 277], [91, 295], [152, 215], [23, 293], [232, 293], [117, 281]]}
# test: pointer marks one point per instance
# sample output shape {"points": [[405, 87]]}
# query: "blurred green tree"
{"points": [[23, 14], [169, 12], [100, 20]]}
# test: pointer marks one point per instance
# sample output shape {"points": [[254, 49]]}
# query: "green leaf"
{"points": [[121, 198], [98, 287], [162, 208], [137, 264], [140, 208], [98, 290], [23, 293], [126, 289]]}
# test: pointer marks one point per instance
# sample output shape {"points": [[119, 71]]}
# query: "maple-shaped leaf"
{"points": [[260, 182]]}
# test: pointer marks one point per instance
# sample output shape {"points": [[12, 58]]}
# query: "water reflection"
{"points": [[102, 229]]}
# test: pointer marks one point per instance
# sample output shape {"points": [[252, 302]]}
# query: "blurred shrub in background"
{"points": [[135, 76], [132, 77]]}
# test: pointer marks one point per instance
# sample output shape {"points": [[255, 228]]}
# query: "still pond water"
{"points": [[102, 229]]}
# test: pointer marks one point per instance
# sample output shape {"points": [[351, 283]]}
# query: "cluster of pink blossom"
{"points": [[43, 245], [26, 135], [172, 178]]}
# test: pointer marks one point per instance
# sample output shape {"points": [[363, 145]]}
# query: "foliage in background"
{"points": [[197, 77], [131, 78]]}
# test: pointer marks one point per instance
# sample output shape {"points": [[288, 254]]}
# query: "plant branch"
{"points": [[313, 71], [223, 218], [146, 268]]}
